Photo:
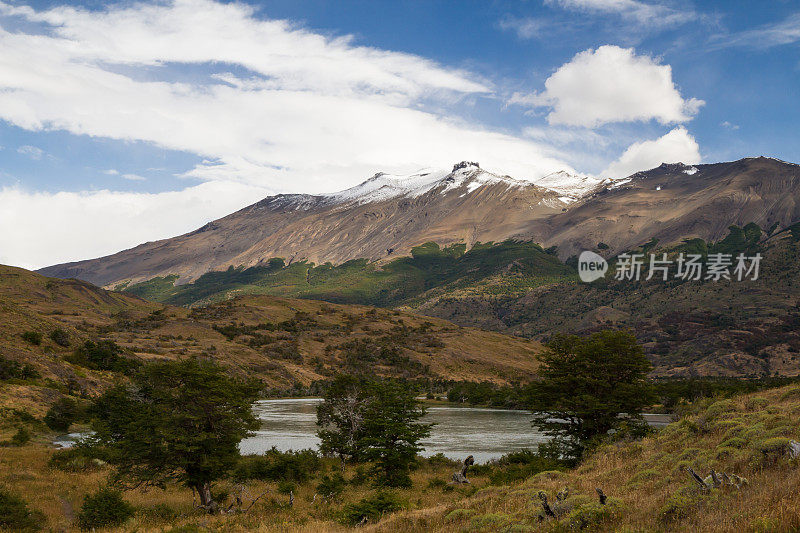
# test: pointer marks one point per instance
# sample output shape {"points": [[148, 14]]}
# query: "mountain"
{"points": [[283, 342], [383, 217], [387, 215], [674, 202]]}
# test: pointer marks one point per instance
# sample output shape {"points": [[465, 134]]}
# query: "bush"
{"points": [[15, 515], [21, 437], [60, 337], [278, 466], [104, 508], [285, 487], [73, 460], [62, 414], [593, 516], [102, 355], [32, 337], [13, 370], [516, 466], [331, 486], [371, 508]]}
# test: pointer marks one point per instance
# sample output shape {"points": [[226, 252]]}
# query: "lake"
{"points": [[290, 424]]}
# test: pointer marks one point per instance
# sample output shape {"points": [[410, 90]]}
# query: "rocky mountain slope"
{"points": [[676, 202], [386, 216]]}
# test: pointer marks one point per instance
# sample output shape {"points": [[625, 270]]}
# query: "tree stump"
{"points": [[461, 476]]}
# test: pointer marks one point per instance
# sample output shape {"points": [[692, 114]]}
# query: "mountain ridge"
{"points": [[387, 215]]}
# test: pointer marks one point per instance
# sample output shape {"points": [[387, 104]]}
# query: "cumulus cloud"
{"points": [[68, 226], [677, 146], [304, 112], [611, 84], [269, 105]]}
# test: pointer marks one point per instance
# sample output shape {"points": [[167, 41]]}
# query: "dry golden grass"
{"points": [[645, 476], [31, 302], [58, 494], [646, 481]]}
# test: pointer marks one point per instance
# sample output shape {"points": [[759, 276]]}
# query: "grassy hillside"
{"points": [[283, 342], [359, 281], [646, 481], [688, 328]]}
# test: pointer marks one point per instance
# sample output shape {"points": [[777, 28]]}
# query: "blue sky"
{"points": [[121, 123]]}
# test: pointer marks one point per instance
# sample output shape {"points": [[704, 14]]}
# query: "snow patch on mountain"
{"points": [[568, 185], [383, 186]]}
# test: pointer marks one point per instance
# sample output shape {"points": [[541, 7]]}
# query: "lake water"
{"points": [[459, 431], [290, 424]]}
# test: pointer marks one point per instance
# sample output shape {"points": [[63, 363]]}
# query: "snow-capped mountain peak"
{"points": [[569, 185], [383, 186]]}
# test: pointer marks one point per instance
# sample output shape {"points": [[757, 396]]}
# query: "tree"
{"points": [[392, 431], [585, 384], [177, 421], [340, 417], [62, 414]]}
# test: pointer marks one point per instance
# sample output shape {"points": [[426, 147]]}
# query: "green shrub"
{"points": [[772, 449], [371, 508], [459, 514], [32, 337], [593, 515], [677, 507], [104, 508], [285, 487], [278, 466], [62, 414], [160, 512], [733, 442], [10, 369], [719, 407], [755, 404], [331, 486], [15, 515], [21, 437], [73, 459], [60, 337], [102, 355]]}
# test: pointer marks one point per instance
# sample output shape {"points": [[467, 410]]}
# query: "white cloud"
{"points": [[677, 146], [111, 172], [133, 177], [31, 151], [302, 113], [780, 33], [68, 226], [611, 84], [310, 113], [729, 125], [655, 15], [524, 27]]}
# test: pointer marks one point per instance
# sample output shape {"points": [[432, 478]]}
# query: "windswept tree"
{"points": [[340, 417], [176, 421], [392, 431], [589, 386]]}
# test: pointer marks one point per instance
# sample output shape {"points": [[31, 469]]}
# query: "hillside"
{"points": [[645, 480], [283, 342]]}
